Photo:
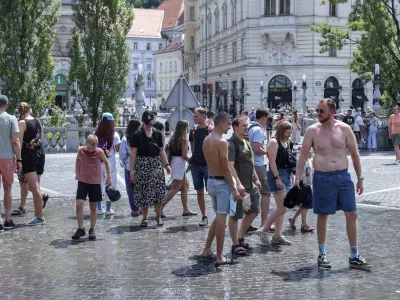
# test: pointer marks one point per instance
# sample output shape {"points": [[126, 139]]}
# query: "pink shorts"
{"points": [[7, 169]]}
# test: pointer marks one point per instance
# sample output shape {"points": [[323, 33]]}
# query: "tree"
{"points": [[145, 3], [99, 55], [26, 41], [379, 43]]}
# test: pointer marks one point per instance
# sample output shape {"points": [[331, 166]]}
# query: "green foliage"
{"points": [[99, 55], [379, 43], [57, 118], [26, 41], [145, 3]]}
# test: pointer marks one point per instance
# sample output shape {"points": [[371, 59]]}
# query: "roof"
{"points": [[175, 45], [173, 16], [146, 23]]}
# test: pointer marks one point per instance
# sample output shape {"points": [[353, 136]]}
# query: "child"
{"points": [[269, 128], [305, 197], [88, 174]]}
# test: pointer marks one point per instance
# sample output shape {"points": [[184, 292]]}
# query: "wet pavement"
{"points": [[126, 262]]}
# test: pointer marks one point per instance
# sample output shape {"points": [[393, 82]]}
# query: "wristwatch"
{"points": [[360, 177]]}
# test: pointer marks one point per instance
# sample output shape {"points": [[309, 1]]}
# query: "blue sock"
{"points": [[108, 206], [321, 248], [99, 206], [353, 252]]}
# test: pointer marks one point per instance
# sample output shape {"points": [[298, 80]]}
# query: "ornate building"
{"points": [[240, 45]]}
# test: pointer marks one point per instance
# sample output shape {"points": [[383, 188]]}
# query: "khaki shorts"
{"points": [[396, 138], [262, 177]]}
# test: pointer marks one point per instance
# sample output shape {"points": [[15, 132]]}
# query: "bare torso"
{"points": [[330, 147], [211, 148]]}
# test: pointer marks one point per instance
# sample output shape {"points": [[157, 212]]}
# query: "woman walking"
{"points": [[33, 158], [109, 141], [373, 129], [124, 159], [279, 178], [178, 151], [296, 129], [146, 170]]}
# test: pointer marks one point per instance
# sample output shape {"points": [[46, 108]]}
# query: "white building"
{"points": [[240, 47], [169, 61]]}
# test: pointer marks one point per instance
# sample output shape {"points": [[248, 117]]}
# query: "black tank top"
{"points": [[33, 128], [282, 156]]}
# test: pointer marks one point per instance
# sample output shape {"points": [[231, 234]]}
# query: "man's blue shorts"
{"points": [[333, 191], [200, 177]]}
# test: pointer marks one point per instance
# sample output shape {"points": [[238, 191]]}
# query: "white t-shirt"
{"points": [[359, 121], [117, 141]]}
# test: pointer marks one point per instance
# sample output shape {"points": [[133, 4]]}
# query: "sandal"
{"points": [[238, 250], [19, 212], [160, 222], [246, 246], [291, 223], [229, 261], [144, 223], [306, 228], [45, 197], [189, 214]]}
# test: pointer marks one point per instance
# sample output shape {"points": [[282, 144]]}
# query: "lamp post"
{"points": [[377, 92], [295, 90], [261, 94], [340, 89], [304, 98]]}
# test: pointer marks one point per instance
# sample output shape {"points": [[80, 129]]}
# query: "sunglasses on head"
{"points": [[320, 111]]}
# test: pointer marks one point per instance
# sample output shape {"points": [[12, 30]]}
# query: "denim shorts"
{"points": [[286, 178], [333, 191], [220, 193], [200, 177]]}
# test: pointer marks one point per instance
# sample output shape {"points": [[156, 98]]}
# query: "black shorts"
{"points": [[93, 190], [32, 162]]}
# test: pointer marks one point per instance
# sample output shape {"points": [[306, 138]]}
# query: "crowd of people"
{"points": [[240, 174]]}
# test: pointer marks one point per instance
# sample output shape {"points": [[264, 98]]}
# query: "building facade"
{"points": [[241, 45]]}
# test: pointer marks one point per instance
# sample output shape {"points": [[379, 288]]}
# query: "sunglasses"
{"points": [[320, 111]]}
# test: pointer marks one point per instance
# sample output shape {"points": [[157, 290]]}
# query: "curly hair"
{"points": [[179, 136], [105, 131], [133, 126]]}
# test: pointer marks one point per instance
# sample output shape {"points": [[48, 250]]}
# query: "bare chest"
{"points": [[329, 140]]}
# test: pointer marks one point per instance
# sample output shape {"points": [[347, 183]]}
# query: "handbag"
{"points": [[36, 142]]}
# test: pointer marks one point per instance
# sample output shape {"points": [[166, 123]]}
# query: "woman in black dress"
{"points": [[146, 170], [33, 158]]}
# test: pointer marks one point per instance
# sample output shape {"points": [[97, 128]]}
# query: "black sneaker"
{"points": [[252, 228], [92, 234], [359, 263], [323, 262], [8, 224], [19, 212], [80, 232]]}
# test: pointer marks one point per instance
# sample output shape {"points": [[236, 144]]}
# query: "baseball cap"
{"points": [[148, 117], [3, 100], [107, 116]]}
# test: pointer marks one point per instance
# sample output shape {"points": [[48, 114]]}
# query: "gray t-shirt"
{"points": [[8, 126]]}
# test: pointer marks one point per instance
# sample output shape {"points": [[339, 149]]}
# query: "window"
{"points": [[242, 48], [270, 9], [135, 66], [224, 16], [159, 46], [160, 67], [148, 81], [241, 10], [148, 46], [170, 66], [217, 56], [225, 54], [166, 68], [332, 52], [192, 43], [170, 84], [209, 24], [216, 15], [234, 51], [210, 59], [191, 18], [148, 66], [332, 9], [233, 12], [284, 7], [176, 67], [202, 29], [161, 85], [135, 46]]}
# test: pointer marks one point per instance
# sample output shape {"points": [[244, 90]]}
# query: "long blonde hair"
{"points": [[281, 127]]}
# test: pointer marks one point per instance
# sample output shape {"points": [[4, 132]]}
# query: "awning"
{"points": [[61, 93]]}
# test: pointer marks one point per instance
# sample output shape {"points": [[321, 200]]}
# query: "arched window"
{"points": [[224, 16], [357, 84], [233, 12], [216, 20], [331, 83], [280, 81], [279, 92]]}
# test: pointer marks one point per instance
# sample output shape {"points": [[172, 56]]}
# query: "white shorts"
{"points": [[178, 167]]}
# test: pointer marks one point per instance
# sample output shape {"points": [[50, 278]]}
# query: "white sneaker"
{"points": [[263, 236], [101, 212], [396, 162], [110, 212]]}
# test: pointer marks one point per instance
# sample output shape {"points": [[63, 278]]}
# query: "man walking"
{"points": [[333, 187], [242, 167], [220, 186], [257, 142], [10, 149], [349, 118], [198, 164], [394, 132], [359, 128]]}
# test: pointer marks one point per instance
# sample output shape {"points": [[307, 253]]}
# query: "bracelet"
{"points": [[277, 177], [19, 160]]}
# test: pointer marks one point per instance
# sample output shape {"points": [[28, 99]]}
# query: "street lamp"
{"points": [[340, 89], [261, 94], [377, 92], [295, 90], [304, 98]]}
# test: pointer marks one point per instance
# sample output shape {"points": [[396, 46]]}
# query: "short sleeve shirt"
{"points": [[243, 160], [197, 136], [116, 141], [159, 126], [359, 122], [142, 142], [349, 120], [256, 135], [8, 126]]}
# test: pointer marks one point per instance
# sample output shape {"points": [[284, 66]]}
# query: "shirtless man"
{"points": [[333, 188], [220, 185]]}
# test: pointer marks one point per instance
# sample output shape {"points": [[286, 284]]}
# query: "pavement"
{"points": [[126, 262]]}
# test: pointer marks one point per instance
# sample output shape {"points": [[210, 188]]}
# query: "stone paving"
{"points": [[126, 262]]}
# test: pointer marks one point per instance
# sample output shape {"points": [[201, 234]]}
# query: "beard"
{"points": [[322, 119]]}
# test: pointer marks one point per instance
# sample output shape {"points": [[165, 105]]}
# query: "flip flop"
{"points": [[209, 256], [189, 214], [45, 197], [229, 261], [291, 223]]}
